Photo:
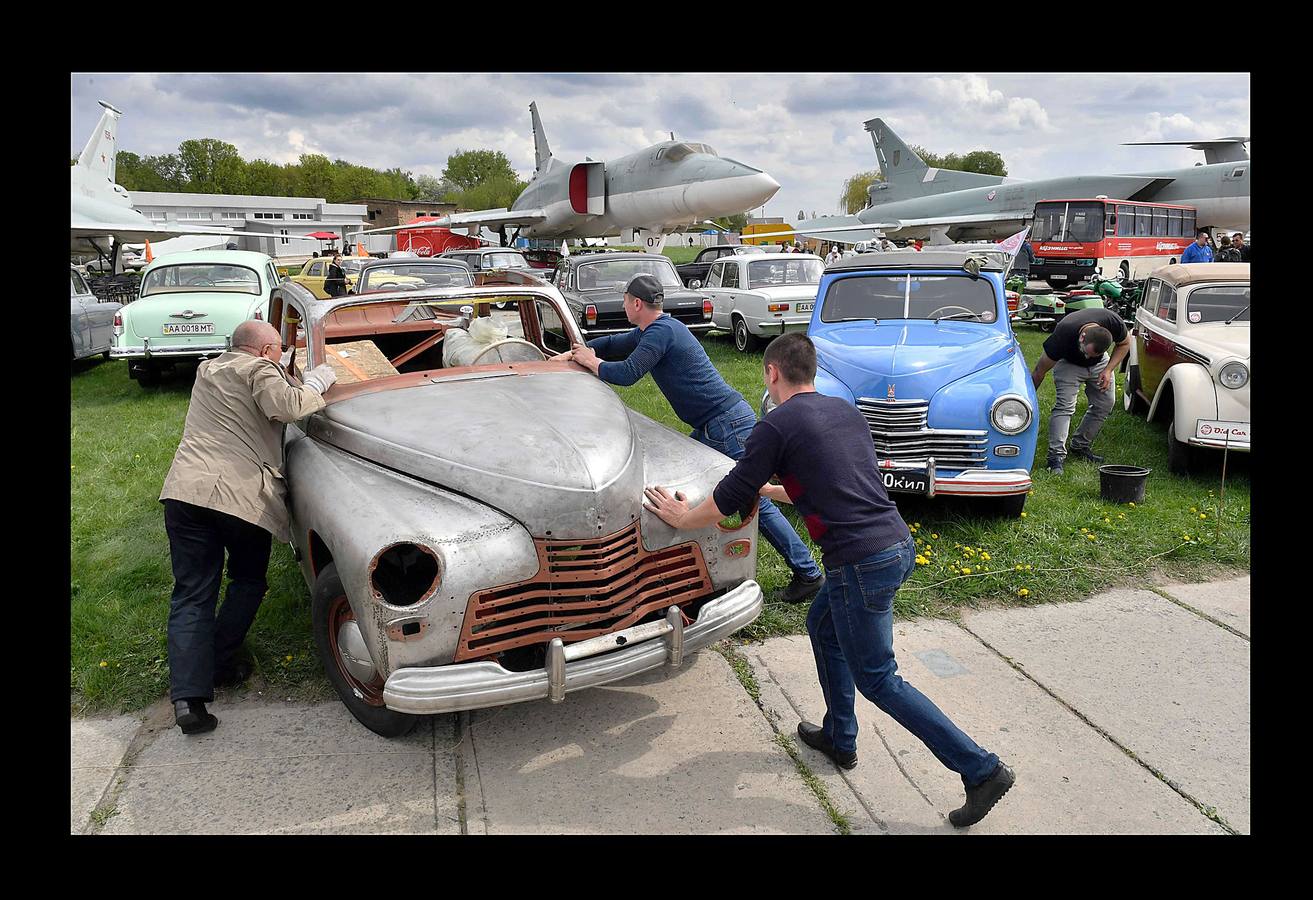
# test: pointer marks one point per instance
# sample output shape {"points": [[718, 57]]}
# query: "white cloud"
{"points": [[992, 110]]}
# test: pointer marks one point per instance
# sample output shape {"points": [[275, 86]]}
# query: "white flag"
{"points": [[1013, 244], [565, 249]]}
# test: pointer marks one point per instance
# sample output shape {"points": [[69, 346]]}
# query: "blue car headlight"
{"points": [[1010, 414]]}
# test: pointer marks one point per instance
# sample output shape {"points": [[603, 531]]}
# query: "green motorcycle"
{"points": [[1046, 310]]}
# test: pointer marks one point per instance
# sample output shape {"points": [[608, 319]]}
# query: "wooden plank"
{"points": [[356, 361]]}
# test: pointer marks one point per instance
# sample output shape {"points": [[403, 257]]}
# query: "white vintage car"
{"points": [[763, 295], [1189, 363]]}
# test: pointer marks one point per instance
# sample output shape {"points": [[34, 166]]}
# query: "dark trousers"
{"points": [[199, 641]]}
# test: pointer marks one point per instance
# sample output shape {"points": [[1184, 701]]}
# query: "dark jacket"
{"points": [[335, 281]]}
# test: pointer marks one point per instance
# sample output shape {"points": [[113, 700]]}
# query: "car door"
{"points": [[312, 276], [719, 311], [99, 317], [79, 327], [729, 286], [1157, 344]]}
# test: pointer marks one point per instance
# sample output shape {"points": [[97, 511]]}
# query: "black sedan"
{"points": [[698, 268], [593, 285]]}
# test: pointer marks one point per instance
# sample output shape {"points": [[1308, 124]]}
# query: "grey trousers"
{"points": [[1067, 379]]}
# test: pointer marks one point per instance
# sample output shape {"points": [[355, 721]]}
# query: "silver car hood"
{"points": [[555, 450]]}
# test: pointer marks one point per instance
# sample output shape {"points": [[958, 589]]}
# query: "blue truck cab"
{"points": [[922, 345]]}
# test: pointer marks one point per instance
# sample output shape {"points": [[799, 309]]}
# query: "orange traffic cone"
{"points": [[149, 256]]}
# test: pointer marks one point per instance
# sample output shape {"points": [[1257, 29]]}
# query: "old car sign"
{"points": [[189, 328]]}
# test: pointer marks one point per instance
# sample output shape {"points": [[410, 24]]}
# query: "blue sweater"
{"points": [[678, 364], [822, 451], [1194, 253]]}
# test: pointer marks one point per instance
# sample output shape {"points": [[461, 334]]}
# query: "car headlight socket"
{"points": [[1010, 414], [404, 573], [1234, 375]]}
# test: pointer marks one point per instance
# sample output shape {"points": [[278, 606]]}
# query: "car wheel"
{"points": [[1046, 327], [341, 648], [1178, 452], [1132, 402], [1124, 270], [744, 341], [1008, 507], [147, 374]]}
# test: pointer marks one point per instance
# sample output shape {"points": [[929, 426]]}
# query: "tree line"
{"points": [[472, 179], [855, 194]]}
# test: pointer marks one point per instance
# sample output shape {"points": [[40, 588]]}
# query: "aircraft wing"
{"points": [[851, 229], [492, 218], [135, 233]]}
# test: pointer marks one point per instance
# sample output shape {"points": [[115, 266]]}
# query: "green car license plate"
{"points": [[806, 307], [906, 482], [189, 328]]}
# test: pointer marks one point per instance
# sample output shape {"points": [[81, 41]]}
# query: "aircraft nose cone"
{"points": [[735, 189]]}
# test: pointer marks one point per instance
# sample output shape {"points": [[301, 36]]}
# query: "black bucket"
{"points": [[1122, 484]]}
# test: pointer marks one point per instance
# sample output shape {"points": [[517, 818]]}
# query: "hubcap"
{"points": [[351, 648], [740, 335], [352, 654]]}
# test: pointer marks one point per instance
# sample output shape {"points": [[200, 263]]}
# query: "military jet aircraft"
{"points": [[642, 197], [103, 218], [943, 206]]}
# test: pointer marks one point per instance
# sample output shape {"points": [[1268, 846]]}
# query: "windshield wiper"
{"points": [[1237, 315], [957, 315]]}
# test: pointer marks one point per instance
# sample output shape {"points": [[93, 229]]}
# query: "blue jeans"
{"points": [[727, 433], [851, 628]]}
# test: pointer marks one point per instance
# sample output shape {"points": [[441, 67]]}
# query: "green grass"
{"points": [[123, 439]]}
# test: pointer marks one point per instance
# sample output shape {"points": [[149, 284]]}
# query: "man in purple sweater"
{"points": [[821, 449]]}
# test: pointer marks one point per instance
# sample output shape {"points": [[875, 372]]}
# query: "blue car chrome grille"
{"points": [[899, 432]]}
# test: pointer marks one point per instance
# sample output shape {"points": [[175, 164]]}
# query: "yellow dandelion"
{"points": [[1121, 515], [288, 657], [1023, 592], [916, 524], [1029, 566], [103, 664], [922, 561], [1090, 536], [1203, 515], [985, 557], [1192, 509], [1023, 514], [1132, 503], [1084, 530], [1018, 568], [933, 535], [966, 571]]}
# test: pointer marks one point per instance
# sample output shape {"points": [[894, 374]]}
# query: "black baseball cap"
{"points": [[646, 288]]}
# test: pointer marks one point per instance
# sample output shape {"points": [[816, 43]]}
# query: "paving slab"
{"points": [[95, 747], [1170, 686], [1070, 779], [274, 767], [682, 751], [1227, 601]]}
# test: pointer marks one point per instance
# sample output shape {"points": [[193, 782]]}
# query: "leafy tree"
{"points": [[854, 197], [985, 162], [492, 193], [212, 166], [268, 179], [468, 169], [153, 173], [732, 223], [314, 176], [429, 188]]}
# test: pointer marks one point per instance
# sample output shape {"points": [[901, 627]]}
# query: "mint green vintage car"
{"points": [[188, 306]]}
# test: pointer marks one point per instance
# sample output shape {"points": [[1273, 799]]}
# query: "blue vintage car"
{"points": [[921, 343]]}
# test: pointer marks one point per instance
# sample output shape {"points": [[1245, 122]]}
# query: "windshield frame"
{"points": [[146, 282], [1065, 208], [907, 277], [673, 284], [817, 264]]}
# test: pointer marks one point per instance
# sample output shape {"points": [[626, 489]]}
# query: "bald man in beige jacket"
{"points": [[225, 492]]}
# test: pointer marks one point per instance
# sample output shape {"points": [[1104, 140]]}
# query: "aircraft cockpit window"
{"points": [[684, 150]]}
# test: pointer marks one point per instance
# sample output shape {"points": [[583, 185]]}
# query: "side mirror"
{"points": [[695, 284]]}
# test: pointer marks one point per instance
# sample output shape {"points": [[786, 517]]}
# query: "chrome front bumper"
{"points": [[968, 482], [573, 667]]}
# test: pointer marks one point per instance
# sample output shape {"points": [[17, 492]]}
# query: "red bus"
{"points": [[1072, 238]]}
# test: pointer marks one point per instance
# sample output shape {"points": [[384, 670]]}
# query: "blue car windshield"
{"points": [[865, 297]]}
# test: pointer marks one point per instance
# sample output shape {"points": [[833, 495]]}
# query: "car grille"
{"points": [[899, 432], [583, 589]]}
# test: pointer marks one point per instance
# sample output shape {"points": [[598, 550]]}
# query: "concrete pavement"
{"points": [[1124, 713]]}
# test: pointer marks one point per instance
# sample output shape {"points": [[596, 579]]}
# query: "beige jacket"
{"points": [[231, 455]]}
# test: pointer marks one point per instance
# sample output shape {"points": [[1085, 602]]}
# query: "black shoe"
{"points": [[233, 674], [814, 736], [982, 797], [801, 589], [192, 717], [1054, 465], [1084, 453]]}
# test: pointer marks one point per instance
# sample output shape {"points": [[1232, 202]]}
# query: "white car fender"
{"points": [[1194, 396]]}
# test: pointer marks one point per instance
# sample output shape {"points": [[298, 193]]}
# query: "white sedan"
{"points": [[763, 295]]}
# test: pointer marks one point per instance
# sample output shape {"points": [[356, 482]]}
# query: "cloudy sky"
{"points": [[805, 130]]}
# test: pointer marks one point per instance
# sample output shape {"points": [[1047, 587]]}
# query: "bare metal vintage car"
{"points": [[476, 536]]}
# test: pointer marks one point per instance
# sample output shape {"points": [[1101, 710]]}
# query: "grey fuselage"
{"points": [[1221, 200], [646, 190]]}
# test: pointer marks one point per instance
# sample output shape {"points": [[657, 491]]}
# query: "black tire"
{"points": [[744, 341], [1047, 327], [1132, 402], [105, 356], [1178, 453], [1008, 507], [1124, 270], [326, 611]]}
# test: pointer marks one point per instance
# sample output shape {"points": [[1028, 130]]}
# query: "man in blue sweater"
{"points": [[820, 447], [1199, 251], [718, 414]]}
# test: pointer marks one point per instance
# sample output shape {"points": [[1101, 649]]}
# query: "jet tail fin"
{"points": [[541, 151], [905, 173], [1221, 150], [898, 162], [99, 153]]}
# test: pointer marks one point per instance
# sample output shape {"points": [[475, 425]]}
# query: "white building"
{"points": [[276, 225]]}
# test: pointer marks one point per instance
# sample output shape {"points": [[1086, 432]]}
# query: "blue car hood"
{"points": [[917, 358]]}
